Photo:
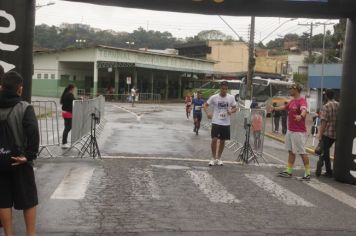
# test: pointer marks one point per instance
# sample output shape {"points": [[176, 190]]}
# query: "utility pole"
{"points": [[323, 64], [310, 48], [251, 61]]}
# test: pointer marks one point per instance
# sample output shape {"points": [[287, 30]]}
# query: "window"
{"points": [[53, 76], [45, 76], [39, 76]]}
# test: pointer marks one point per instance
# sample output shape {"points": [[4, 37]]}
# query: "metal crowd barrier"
{"points": [[151, 98], [82, 116], [47, 115]]}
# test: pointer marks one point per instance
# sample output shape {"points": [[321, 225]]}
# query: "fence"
{"points": [[82, 116], [243, 121], [141, 98], [47, 115]]}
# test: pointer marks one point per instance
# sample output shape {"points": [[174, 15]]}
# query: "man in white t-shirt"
{"points": [[133, 94], [223, 105]]}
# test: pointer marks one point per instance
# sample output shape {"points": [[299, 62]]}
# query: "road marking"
{"points": [[171, 167], [212, 189], [167, 159], [333, 192], [138, 116], [282, 194], [74, 184], [144, 187], [275, 158]]}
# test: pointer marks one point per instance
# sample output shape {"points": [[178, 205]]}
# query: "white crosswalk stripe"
{"points": [[144, 186], [74, 184], [333, 192], [212, 189], [284, 195]]}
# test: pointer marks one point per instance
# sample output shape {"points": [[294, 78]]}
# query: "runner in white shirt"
{"points": [[223, 105]]}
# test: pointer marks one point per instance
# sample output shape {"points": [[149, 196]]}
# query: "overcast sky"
{"points": [[181, 25]]}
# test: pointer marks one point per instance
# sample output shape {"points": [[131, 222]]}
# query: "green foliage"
{"points": [[52, 37], [300, 79], [333, 41]]}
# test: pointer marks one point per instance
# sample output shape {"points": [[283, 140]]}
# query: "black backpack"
{"points": [[8, 146]]}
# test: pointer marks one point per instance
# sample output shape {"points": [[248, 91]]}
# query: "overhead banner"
{"points": [[17, 19]]}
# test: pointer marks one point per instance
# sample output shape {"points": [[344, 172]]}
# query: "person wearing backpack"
{"points": [[17, 180]]}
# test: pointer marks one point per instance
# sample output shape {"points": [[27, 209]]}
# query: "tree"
{"points": [[206, 35], [301, 79], [66, 35]]}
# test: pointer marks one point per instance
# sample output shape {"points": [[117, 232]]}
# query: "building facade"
{"points": [[94, 69], [230, 56]]}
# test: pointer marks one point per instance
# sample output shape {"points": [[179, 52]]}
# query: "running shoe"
{"points": [[212, 162], [220, 162], [65, 146], [196, 131], [305, 178], [284, 174]]}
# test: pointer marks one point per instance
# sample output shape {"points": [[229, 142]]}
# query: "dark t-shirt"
{"points": [[67, 104]]}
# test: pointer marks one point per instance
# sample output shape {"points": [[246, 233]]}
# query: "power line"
{"points": [[232, 29]]}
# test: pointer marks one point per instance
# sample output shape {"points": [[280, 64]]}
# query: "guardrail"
{"points": [[47, 116]]}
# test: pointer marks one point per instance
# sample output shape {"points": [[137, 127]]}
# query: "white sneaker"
{"points": [[65, 146], [212, 162], [220, 162]]}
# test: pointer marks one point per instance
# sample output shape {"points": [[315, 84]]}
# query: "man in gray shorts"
{"points": [[296, 135]]}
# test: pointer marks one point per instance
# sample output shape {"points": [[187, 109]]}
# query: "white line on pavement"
{"points": [[278, 191], [213, 190], [333, 192], [171, 167], [138, 116], [144, 187], [74, 184], [167, 158], [275, 158]]}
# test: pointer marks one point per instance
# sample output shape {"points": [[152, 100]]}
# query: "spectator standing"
{"points": [[284, 116], [18, 185], [276, 118], [327, 135], [67, 99], [257, 125], [296, 135]]}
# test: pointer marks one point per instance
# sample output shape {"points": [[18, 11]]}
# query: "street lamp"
{"points": [[130, 44], [80, 42]]}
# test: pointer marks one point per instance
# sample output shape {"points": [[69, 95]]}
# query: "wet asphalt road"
{"points": [[154, 180]]}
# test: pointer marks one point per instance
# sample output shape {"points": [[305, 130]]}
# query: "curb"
{"points": [[281, 139]]}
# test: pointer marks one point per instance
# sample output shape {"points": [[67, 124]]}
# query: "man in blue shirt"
{"points": [[197, 112]]}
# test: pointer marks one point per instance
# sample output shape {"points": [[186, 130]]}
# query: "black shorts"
{"points": [[197, 115], [18, 188], [221, 132]]}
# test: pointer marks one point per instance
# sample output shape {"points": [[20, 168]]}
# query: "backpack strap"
{"points": [[8, 114]]}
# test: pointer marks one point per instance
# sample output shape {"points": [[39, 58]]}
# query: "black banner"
{"points": [[345, 160], [17, 19]]}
